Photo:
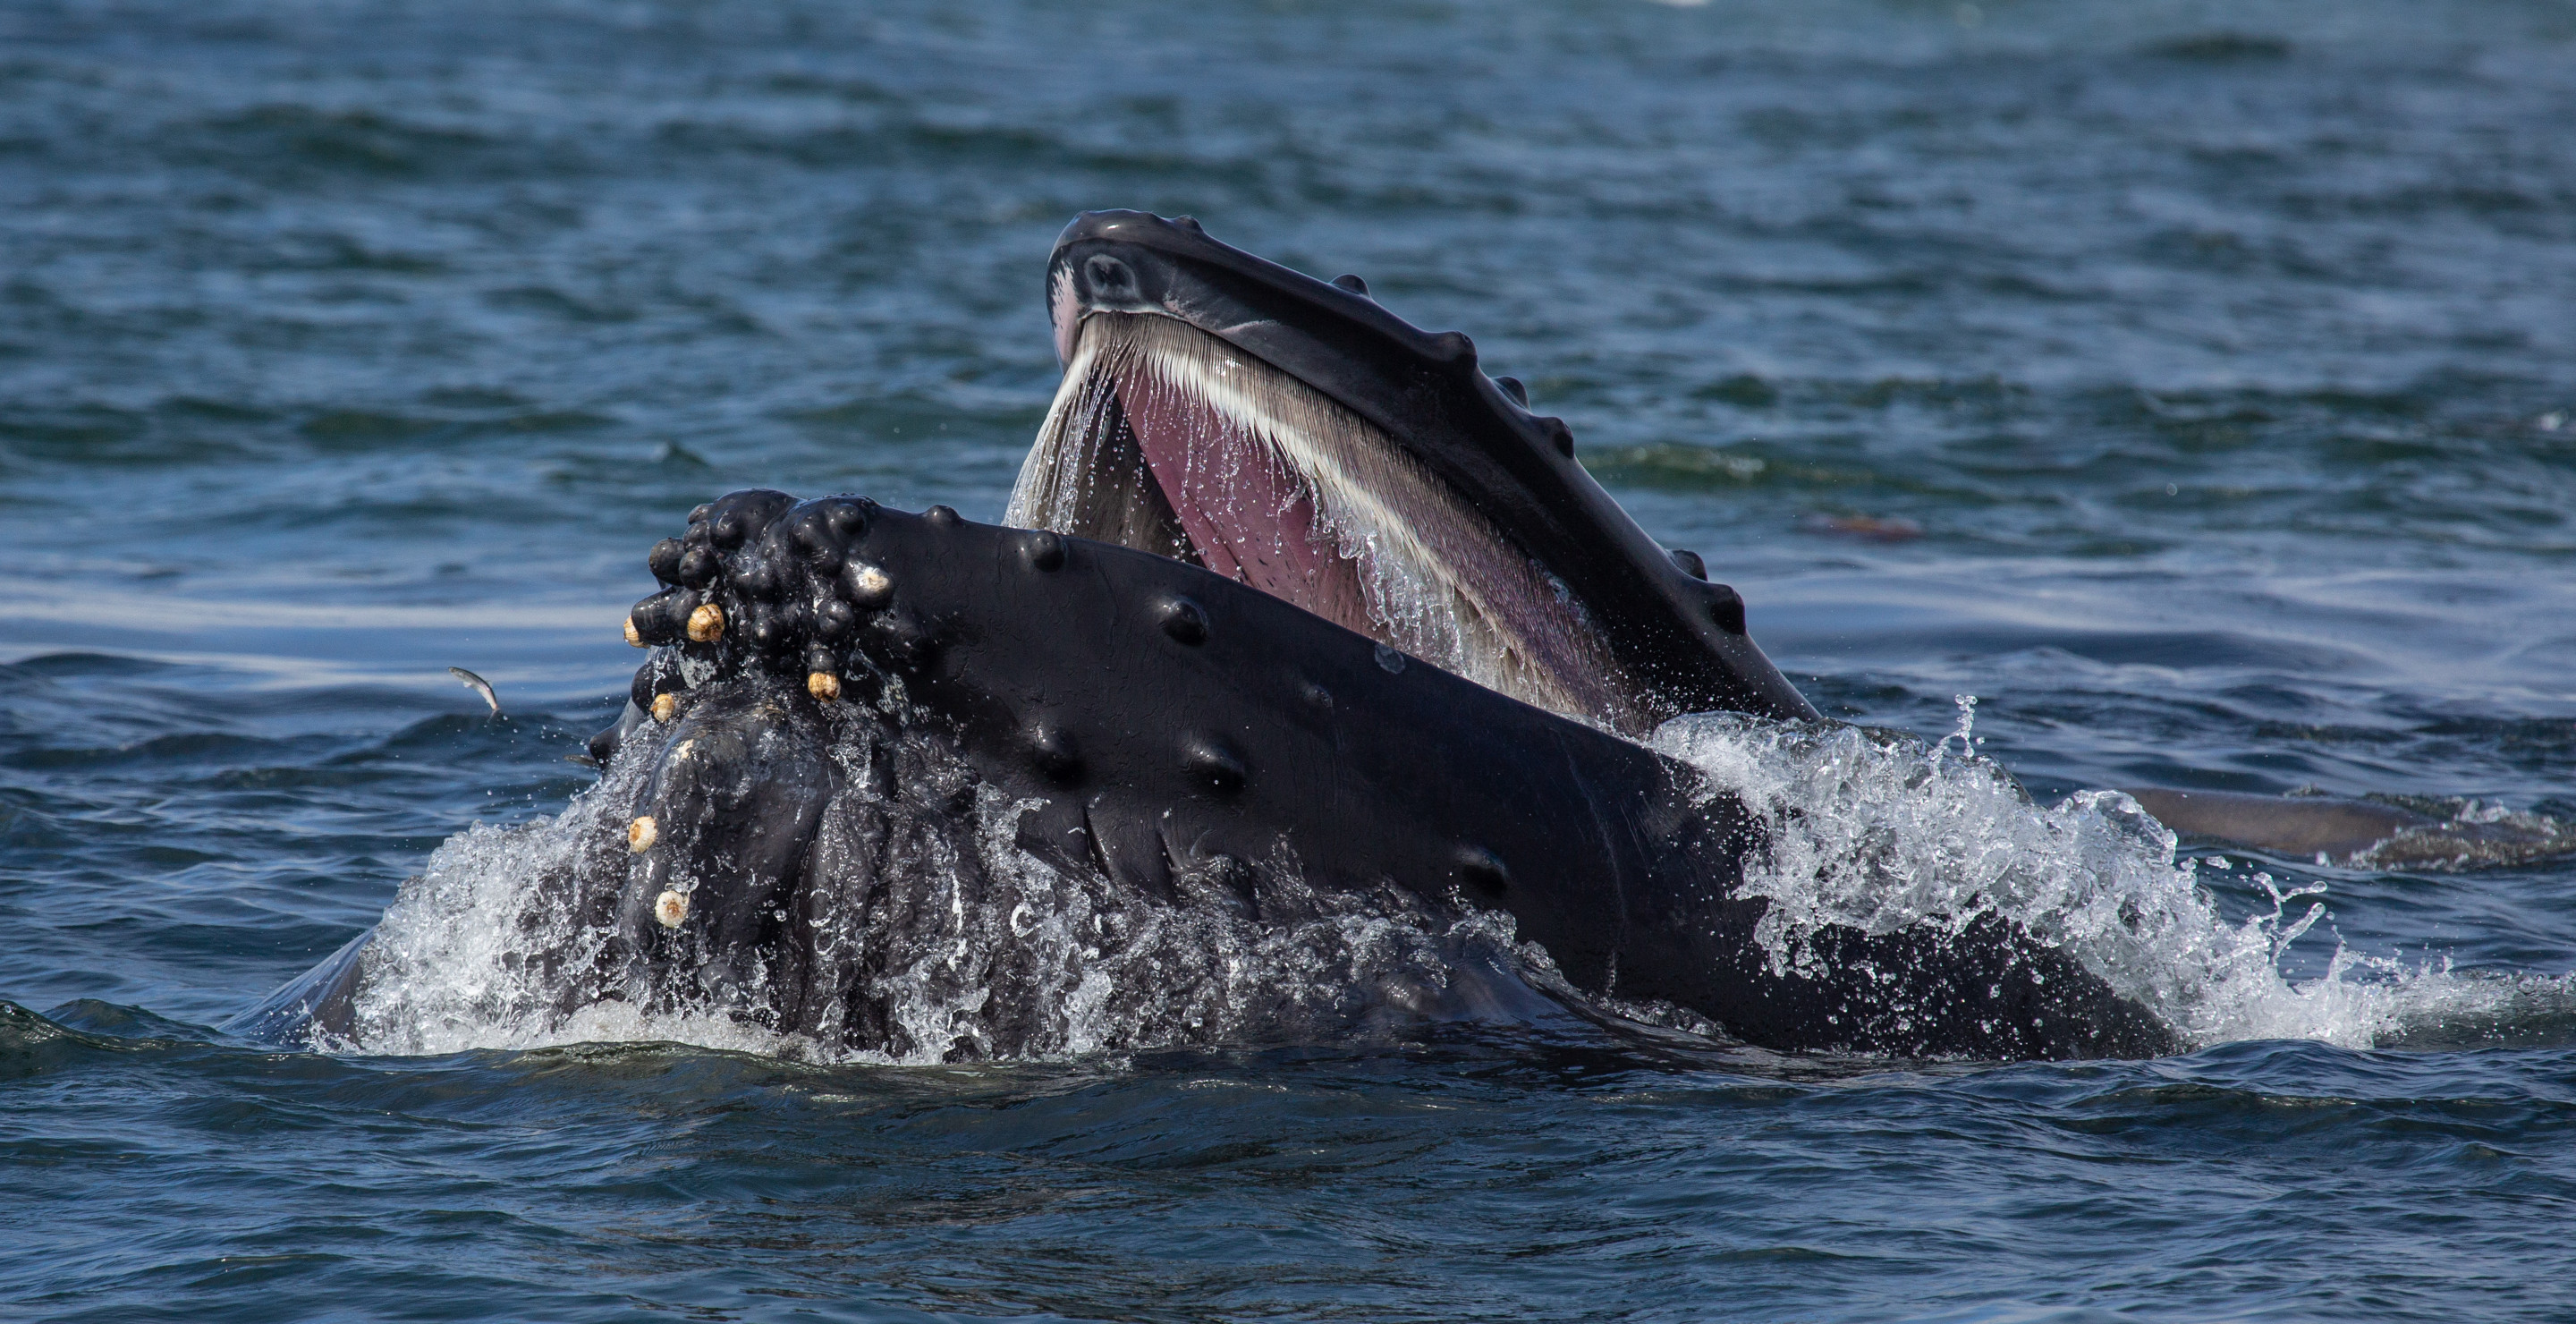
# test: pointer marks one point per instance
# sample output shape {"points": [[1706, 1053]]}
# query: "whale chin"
{"points": [[1166, 439]]}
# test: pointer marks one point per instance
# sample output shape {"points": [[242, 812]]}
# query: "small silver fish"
{"points": [[479, 686]]}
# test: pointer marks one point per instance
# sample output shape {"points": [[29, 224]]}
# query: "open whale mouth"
{"points": [[1293, 435], [1168, 439]]}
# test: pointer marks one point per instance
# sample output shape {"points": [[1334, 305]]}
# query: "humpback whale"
{"points": [[1295, 615]]}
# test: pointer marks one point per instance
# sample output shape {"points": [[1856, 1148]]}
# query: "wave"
{"points": [[1876, 830]]}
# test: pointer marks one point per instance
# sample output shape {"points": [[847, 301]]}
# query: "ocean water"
{"points": [[2193, 385]]}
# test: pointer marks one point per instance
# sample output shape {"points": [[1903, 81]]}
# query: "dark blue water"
{"points": [[2195, 385]]}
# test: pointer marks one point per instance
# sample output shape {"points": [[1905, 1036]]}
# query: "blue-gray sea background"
{"points": [[2223, 356]]}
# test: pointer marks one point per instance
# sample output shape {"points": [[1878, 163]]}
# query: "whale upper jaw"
{"points": [[1292, 434]]}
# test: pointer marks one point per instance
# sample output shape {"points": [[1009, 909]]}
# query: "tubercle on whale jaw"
{"points": [[790, 589], [761, 584], [763, 581]]}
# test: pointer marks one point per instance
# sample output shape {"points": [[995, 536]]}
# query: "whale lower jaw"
{"points": [[1168, 440], [1184, 745]]}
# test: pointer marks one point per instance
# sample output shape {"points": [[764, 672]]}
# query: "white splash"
{"points": [[488, 947], [1879, 831], [974, 948]]}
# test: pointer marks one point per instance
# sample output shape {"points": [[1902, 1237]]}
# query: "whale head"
{"points": [[1291, 434]]}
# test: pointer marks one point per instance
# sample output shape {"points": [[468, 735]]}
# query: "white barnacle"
{"points": [[641, 832], [670, 908]]}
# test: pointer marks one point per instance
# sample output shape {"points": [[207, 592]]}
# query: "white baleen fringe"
{"points": [[1439, 582]]}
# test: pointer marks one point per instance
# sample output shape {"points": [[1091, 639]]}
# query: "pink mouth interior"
{"points": [[1246, 516]]}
